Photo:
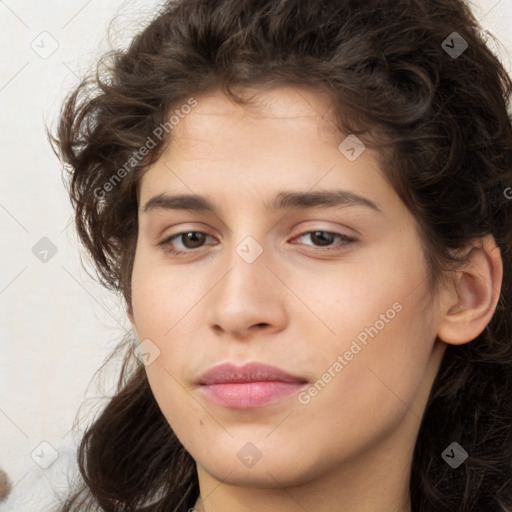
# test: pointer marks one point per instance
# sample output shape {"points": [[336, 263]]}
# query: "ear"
{"points": [[469, 303]]}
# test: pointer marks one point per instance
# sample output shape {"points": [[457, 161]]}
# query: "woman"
{"points": [[336, 334]]}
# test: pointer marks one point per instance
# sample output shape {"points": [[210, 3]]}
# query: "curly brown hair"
{"points": [[441, 126]]}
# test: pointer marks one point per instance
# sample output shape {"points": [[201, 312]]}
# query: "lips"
{"points": [[252, 372], [249, 386]]}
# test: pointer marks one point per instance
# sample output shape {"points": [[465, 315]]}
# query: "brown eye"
{"points": [[322, 238], [190, 240]]}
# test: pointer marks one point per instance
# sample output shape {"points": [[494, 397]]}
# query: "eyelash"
{"points": [[165, 244]]}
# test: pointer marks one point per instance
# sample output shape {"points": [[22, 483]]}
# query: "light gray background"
{"points": [[57, 325]]}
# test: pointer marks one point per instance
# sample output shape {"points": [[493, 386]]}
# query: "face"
{"points": [[332, 292]]}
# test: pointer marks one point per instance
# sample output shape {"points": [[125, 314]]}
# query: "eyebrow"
{"points": [[283, 200]]}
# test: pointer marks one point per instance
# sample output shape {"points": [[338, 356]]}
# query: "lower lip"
{"points": [[249, 394]]}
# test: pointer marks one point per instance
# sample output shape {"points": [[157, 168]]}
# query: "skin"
{"points": [[350, 447]]}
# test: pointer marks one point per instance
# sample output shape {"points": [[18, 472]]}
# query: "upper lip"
{"points": [[228, 373]]}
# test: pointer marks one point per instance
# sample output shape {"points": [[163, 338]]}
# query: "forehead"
{"points": [[286, 112], [285, 138], [284, 102]]}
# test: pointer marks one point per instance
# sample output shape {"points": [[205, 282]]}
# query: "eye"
{"points": [[326, 238], [191, 240]]}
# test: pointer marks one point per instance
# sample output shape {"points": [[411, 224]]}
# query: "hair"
{"points": [[444, 140]]}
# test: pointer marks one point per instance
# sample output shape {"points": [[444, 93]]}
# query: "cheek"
{"points": [[382, 325], [160, 296], [385, 344], [161, 307], [373, 389]]}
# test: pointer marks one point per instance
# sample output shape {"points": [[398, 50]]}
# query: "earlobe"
{"points": [[469, 305]]}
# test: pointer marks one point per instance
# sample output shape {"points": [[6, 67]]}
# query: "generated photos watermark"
{"points": [[304, 397], [138, 155]]}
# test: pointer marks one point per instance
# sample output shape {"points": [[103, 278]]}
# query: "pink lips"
{"points": [[248, 386]]}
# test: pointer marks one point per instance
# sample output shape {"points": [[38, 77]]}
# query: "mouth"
{"points": [[249, 386]]}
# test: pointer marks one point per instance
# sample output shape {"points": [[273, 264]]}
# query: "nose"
{"points": [[248, 299]]}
